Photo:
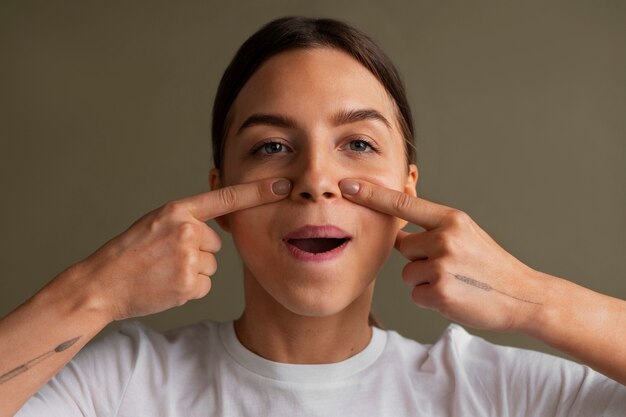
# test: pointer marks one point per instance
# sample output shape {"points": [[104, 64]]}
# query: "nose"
{"points": [[316, 178]]}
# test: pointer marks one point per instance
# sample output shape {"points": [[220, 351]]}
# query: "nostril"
{"points": [[310, 196]]}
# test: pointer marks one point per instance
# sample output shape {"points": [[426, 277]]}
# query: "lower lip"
{"points": [[301, 255]]}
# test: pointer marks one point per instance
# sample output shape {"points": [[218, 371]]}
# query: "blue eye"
{"points": [[361, 145], [268, 148], [273, 147]]}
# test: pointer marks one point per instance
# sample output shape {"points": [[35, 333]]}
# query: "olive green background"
{"points": [[105, 111]]}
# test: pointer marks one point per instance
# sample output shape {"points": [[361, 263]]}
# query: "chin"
{"points": [[310, 294], [313, 306], [276, 279]]}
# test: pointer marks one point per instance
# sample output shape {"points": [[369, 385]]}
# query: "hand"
{"points": [[166, 257], [455, 267]]}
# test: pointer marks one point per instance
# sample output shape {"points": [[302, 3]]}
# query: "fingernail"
{"points": [[349, 187], [281, 187]]}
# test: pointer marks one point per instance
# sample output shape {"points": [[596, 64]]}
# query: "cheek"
{"points": [[257, 235], [257, 232], [378, 231], [250, 226], [251, 173]]}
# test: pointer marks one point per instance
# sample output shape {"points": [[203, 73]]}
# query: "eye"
{"points": [[268, 147], [361, 145]]}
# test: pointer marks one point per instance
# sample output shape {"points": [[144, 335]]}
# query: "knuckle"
{"points": [[184, 285], [203, 288], [159, 218], [418, 297], [186, 231], [172, 209], [212, 266], [445, 242], [227, 197], [442, 298], [218, 243], [443, 306], [186, 258], [208, 265], [439, 268], [163, 216], [402, 202], [260, 193], [407, 273], [213, 241], [368, 193], [181, 299], [458, 218]]}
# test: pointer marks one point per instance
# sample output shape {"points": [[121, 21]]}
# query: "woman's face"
{"points": [[313, 116]]}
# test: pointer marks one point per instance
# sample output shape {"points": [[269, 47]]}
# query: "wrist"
{"points": [[80, 296], [540, 318]]}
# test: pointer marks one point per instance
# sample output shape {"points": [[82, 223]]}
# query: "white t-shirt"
{"points": [[203, 370]]}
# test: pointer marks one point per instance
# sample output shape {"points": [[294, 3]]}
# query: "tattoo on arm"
{"points": [[486, 287], [25, 367]]}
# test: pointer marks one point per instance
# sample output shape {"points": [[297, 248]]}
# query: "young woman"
{"points": [[315, 178]]}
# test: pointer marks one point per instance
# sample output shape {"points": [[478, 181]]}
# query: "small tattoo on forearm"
{"points": [[486, 287], [25, 367]]}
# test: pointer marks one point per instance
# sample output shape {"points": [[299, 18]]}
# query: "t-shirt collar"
{"points": [[297, 372]]}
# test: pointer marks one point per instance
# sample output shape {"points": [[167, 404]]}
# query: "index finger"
{"points": [[211, 204], [416, 210]]}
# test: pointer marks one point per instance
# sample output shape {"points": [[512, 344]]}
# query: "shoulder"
{"points": [[133, 342], [456, 346], [134, 339], [138, 331], [123, 363], [504, 374], [461, 352], [134, 354]]}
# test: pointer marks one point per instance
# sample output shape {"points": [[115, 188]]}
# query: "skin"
{"points": [[161, 261], [287, 300], [457, 270], [303, 313], [306, 313]]}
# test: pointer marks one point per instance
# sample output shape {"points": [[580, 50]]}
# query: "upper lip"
{"points": [[324, 231]]}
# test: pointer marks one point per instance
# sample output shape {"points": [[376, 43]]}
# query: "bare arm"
{"points": [[457, 269], [582, 323], [162, 261], [43, 334]]}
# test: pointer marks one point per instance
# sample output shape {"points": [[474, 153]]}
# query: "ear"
{"points": [[215, 182], [409, 186], [411, 180]]}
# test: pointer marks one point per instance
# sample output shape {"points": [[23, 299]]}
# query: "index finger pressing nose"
{"points": [[211, 204], [416, 210]]}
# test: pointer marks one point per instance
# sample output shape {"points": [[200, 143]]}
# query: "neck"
{"points": [[272, 331]]}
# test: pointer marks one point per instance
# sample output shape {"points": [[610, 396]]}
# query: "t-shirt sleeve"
{"points": [[520, 382], [93, 382]]}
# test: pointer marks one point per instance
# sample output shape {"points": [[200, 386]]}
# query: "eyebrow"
{"points": [[351, 116], [340, 118], [276, 120]]}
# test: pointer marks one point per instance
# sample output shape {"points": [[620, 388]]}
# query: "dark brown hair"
{"points": [[297, 32]]}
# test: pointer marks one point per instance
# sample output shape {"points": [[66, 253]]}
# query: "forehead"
{"points": [[310, 84]]}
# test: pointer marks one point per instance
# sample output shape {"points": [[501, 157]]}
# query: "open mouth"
{"points": [[317, 245], [312, 243]]}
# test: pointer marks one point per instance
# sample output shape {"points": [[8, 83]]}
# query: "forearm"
{"points": [[585, 324], [43, 334]]}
